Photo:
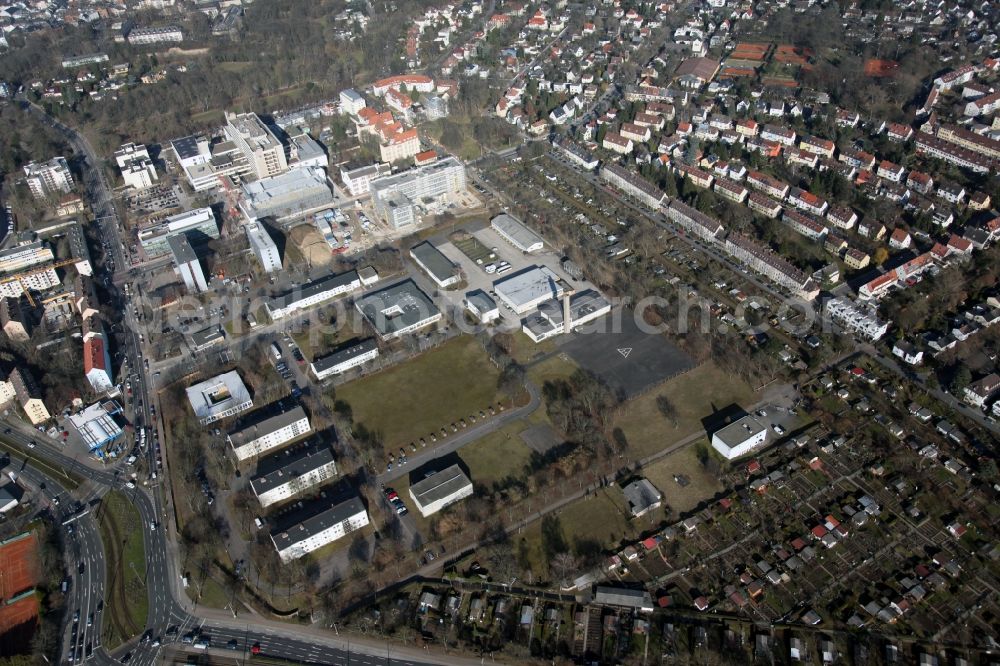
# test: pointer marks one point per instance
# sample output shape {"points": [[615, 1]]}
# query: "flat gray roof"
{"points": [[529, 285], [344, 354], [396, 307], [207, 336], [278, 469], [430, 259], [440, 485], [328, 283], [304, 524], [514, 228], [622, 596], [739, 431], [580, 305], [181, 248], [481, 300], [250, 432]]}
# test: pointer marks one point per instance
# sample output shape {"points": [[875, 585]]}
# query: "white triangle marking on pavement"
{"points": [[624, 351]]}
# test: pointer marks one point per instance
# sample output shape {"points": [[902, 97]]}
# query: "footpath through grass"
{"points": [[410, 400], [126, 602]]}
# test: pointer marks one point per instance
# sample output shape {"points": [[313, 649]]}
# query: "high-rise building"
{"points": [[188, 263], [52, 177], [396, 196], [258, 144], [263, 247]]}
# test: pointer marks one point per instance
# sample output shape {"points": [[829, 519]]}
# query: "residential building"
{"points": [[304, 532], [263, 247], [187, 262], [694, 221], [856, 259], [576, 154], [439, 489], [762, 260], [642, 497], [398, 309], [262, 435], [292, 471], [165, 35], [842, 218], [258, 144], [97, 361], [349, 356], [516, 233], [351, 101], [768, 185], [617, 143], [136, 167], [48, 178], [807, 201], [804, 225], [908, 352], [739, 438], [29, 396], [633, 185], [979, 392], [304, 151], [731, 190], [312, 293], [14, 319], [764, 205], [862, 322], [438, 267], [219, 397], [928, 144]]}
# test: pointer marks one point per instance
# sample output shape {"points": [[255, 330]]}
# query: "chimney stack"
{"points": [[567, 317]]}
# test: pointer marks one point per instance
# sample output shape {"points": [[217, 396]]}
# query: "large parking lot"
{"points": [[477, 277]]}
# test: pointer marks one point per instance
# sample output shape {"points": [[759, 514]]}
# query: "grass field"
{"points": [[127, 601], [409, 400], [703, 485], [602, 517], [497, 455], [694, 395], [556, 367]]}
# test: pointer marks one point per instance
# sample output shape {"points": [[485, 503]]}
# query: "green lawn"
{"points": [[602, 517], [556, 367], [684, 462], [409, 400], [127, 599], [497, 455], [694, 396]]}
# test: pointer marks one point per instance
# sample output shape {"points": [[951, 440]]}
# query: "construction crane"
{"points": [[20, 277]]}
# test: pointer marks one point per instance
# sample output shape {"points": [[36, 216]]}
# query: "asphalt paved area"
{"points": [[627, 358]]}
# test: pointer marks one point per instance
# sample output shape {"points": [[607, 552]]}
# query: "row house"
{"points": [[764, 261], [928, 144], [665, 111], [696, 175], [633, 185], [983, 106], [768, 184], [731, 190], [783, 135], [955, 77], [637, 133], [817, 146], [765, 147], [842, 218], [834, 244], [649, 121], [694, 221], [804, 225], [970, 141], [807, 201]]}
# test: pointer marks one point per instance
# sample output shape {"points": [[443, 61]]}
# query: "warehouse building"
{"points": [[524, 291], [310, 529], [514, 232], [437, 266], [344, 359], [483, 307], [398, 309], [219, 397], [312, 293], [438, 490], [740, 437], [623, 597], [584, 307], [269, 433], [292, 471]]}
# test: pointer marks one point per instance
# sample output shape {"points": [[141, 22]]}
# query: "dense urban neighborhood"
{"points": [[438, 332]]}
